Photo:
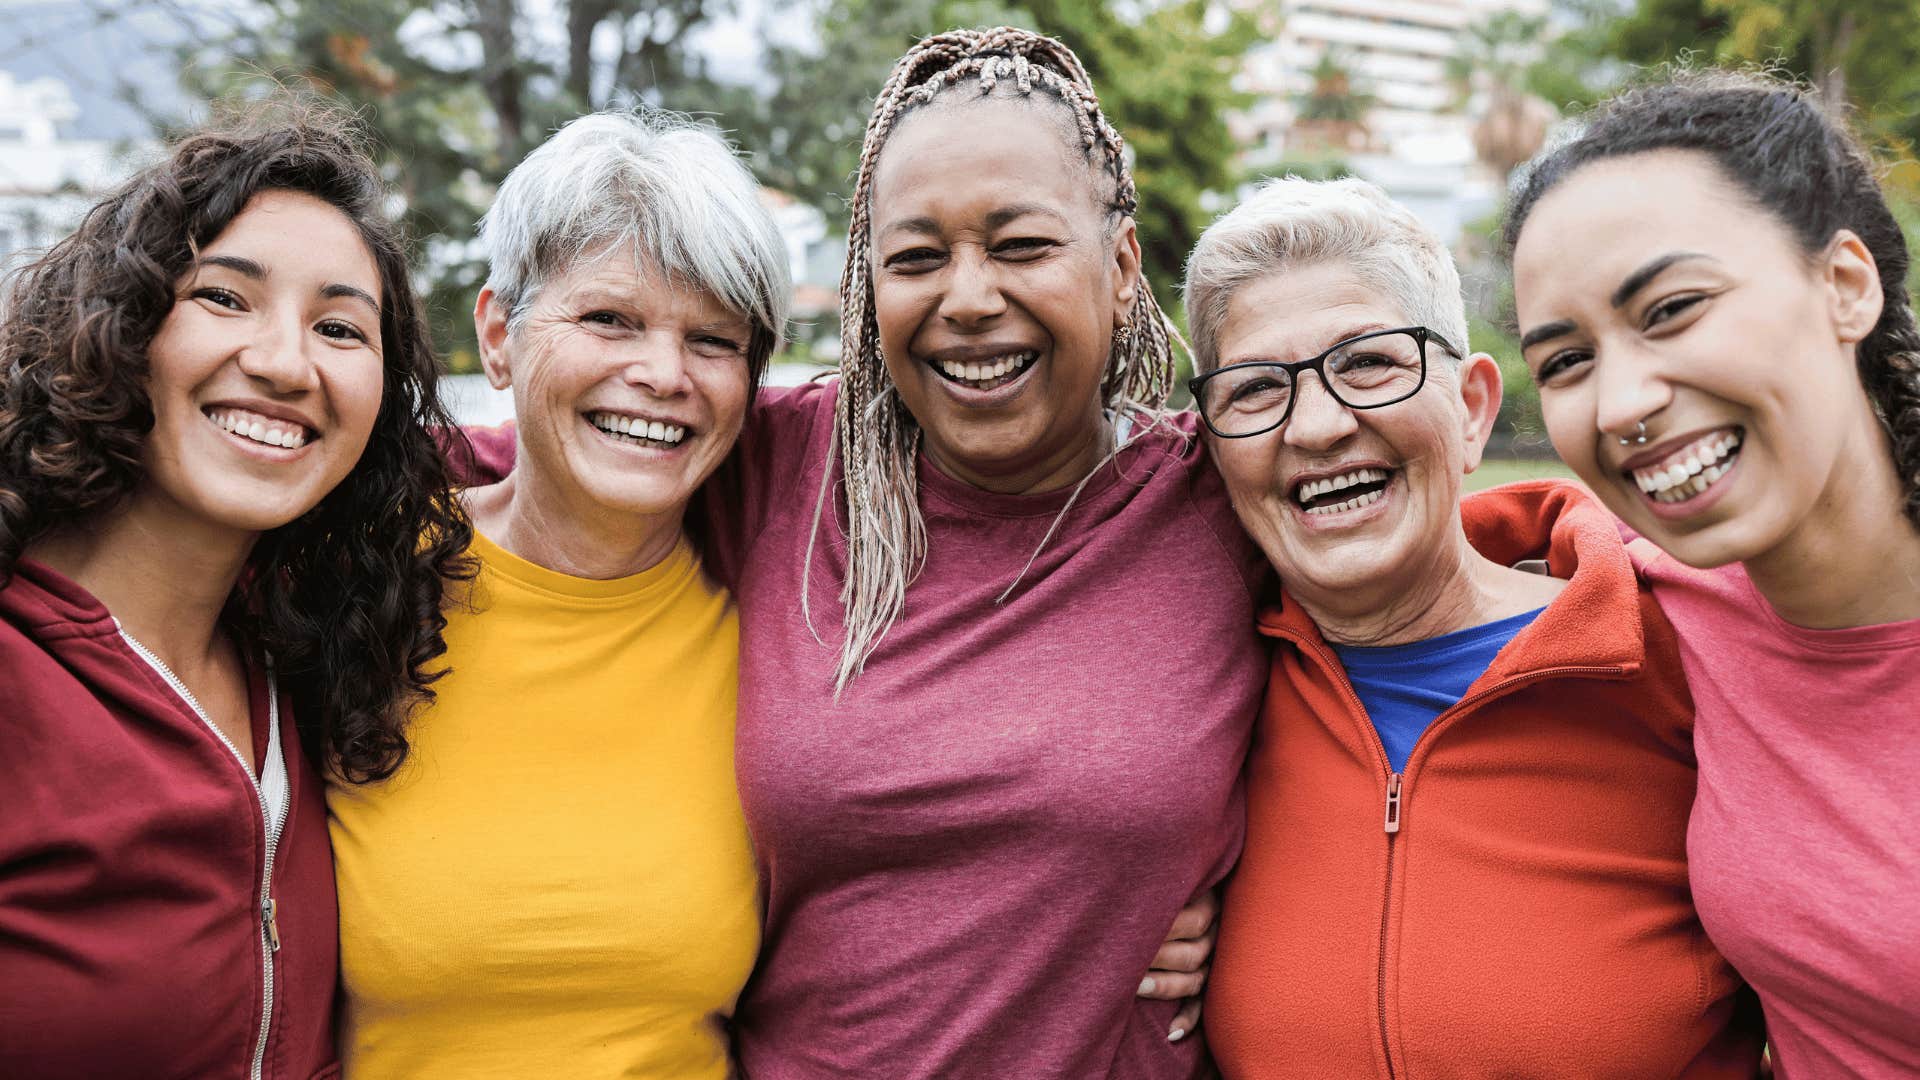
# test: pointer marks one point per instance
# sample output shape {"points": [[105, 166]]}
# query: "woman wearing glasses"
{"points": [[1468, 793]]}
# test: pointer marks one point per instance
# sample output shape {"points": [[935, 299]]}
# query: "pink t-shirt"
{"points": [[971, 857], [1803, 847]]}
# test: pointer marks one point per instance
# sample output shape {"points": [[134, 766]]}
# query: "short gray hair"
{"points": [[1290, 223], [656, 181]]}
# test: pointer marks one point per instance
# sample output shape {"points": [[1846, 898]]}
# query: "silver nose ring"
{"points": [[1639, 435]]}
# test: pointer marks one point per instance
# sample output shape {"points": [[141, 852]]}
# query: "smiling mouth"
{"points": [[265, 430], [988, 374], [638, 431], [1690, 470], [1347, 491]]}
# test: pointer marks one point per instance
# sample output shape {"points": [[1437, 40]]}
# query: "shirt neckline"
{"points": [[658, 578]]}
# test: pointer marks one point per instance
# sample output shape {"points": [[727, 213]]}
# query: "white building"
{"points": [[47, 180], [1419, 143]]}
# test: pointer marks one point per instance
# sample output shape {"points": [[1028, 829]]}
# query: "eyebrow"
{"points": [[1629, 285], [1638, 280], [244, 267], [251, 270], [338, 291], [1546, 332]]}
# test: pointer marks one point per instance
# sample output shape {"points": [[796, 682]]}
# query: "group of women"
{"points": [[908, 724]]}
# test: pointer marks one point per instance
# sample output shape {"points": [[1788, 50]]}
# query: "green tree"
{"points": [[1856, 52], [457, 92], [1164, 78]]}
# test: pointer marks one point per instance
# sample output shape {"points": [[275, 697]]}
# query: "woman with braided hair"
{"points": [[1712, 296], [980, 578], [975, 817]]}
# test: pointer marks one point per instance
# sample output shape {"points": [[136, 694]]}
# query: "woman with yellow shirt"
{"points": [[558, 881]]}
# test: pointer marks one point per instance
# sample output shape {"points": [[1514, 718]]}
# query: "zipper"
{"points": [[1386, 912], [1396, 794], [269, 924]]}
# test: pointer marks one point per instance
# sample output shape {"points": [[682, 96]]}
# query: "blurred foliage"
{"points": [[457, 91], [1164, 73]]}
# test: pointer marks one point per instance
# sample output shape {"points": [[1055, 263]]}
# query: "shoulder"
{"points": [[1171, 455]]}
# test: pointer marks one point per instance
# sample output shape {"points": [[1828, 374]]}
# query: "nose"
{"points": [[1629, 388], [278, 355], [973, 293], [657, 363], [1318, 421]]}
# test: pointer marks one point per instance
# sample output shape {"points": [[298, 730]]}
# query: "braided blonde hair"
{"points": [[874, 434]]}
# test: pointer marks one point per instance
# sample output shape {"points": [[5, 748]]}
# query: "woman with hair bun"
{"points": [[1712, 297], [224, 529]]}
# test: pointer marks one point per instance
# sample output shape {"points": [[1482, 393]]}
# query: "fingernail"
{"points": [[1146, 985], [1176, 1034]]}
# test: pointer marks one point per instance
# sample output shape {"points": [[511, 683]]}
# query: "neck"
{"points": [[1853, 561], [538, 524], [1061, 469], [164, 572], [1453, 589]]}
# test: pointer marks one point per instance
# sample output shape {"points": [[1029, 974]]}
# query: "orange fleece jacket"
{"points": [[1527, 914]]}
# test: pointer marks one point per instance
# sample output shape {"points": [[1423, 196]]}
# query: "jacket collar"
{"points": [[1595, 621]]}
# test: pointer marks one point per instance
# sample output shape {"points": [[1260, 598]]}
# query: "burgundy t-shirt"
{"points": [[971, 857]]}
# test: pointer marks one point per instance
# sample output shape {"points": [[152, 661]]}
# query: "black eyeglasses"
{"points": [[1370, 371]]}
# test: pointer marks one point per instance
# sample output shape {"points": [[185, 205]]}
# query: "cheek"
{"points": [[1247, 466]]}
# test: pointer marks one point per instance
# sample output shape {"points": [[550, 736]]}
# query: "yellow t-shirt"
{"points": [[557, 882]]}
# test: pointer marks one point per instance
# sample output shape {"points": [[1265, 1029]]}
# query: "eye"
{"points": [[920, 258], [1024, 247], [1670, 308], [1562, 367], [340, 331], [1362, 361], [1254, 387], [714, 343], [219, 296]]}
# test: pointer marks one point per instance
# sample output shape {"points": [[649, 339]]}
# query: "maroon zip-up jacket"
{"points": [[133, 936]]}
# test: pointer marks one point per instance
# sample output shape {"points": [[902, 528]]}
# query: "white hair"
{"points": [[1291, 223], [650, 181]]}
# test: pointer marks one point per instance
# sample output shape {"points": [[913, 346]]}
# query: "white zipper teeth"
{"points": [[267, 822]]}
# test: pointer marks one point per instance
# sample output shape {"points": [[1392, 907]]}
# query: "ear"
{"points": [[1126, 264], [1480, 391], [1853, 282], [490, 326]]}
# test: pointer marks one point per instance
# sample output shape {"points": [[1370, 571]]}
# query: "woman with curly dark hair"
{"points": [[219, 504], [1712, 296]]}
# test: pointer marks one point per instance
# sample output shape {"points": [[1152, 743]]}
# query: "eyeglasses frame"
{"points": [[1318, 365]]}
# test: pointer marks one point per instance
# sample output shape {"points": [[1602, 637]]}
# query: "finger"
{"points": [[1185, 1020], [1183, 955], [1172, 985], [1195, 918]]}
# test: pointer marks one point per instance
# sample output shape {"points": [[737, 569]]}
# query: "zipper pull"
{"points": [[273, 923], [1393, 803]]}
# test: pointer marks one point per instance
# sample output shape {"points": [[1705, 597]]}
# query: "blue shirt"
{"points": [[1405, 686]]}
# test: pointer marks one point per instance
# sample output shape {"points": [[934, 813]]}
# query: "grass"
{"points": [[1506, 470]]}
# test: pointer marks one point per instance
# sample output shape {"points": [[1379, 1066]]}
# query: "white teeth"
{"points": [[258, 429], [1313, 489], [1355, 503], [988, 370], [635, 428], [1692, 469]]}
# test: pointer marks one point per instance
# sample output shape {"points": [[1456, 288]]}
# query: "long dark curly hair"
{"points": [[1773, 142], [347, 598]]}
